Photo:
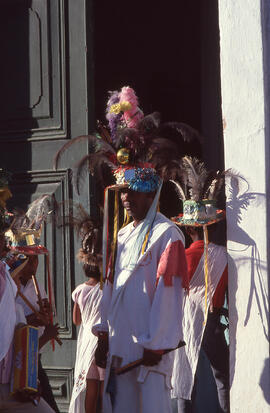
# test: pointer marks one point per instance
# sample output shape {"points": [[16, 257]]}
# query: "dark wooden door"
{"points": [[46, 99]]}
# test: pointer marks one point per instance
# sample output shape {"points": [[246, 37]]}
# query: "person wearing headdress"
{"points": [[142, 301], [88, 377], [46, 331], [208, 282], [144, 262], [24, 238], [11, 316]]}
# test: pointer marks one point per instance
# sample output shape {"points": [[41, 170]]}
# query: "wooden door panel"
{"points": [[33, 78], [46, 100]]}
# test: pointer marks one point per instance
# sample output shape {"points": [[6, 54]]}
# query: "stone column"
{"points": [[244, 35]]}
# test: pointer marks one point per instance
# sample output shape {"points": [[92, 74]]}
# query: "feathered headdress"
{"points": [[139, 150], [25, 229], [199, 190], [133, 141], [89, 229], [24, 235]]}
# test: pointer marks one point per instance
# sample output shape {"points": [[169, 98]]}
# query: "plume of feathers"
{"points": [[103, 153], [113, 118], [179, 190], [89, 230], [134, 114], [146, 138], [193, 181], [37, 213], [172, 170], [215, 186], [196, 176]]}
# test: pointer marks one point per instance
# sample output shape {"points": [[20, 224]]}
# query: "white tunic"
{"points": [[89, 304], [186, 358], [143, 308]]}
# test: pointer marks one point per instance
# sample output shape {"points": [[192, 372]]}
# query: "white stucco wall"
{"points": [[245, 138]]}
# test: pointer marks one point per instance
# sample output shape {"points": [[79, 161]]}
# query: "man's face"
{"points": [[136, 203]]}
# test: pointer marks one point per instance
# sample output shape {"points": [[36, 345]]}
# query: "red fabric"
{"points": [[193, 255], [173, 263], [30, 250]]}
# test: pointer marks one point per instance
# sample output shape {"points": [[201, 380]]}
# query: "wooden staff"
{"points": [[37, 290], [27, 302], [40, 302]]}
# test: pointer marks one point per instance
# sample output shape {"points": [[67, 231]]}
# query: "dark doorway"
{"points": [[154, 49], [170, 55]]}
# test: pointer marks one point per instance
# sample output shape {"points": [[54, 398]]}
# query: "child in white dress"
{"points": [[89, 379]]}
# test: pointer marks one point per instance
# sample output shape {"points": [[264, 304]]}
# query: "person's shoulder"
{"points": [[162, 220], [79, 288], [165, 222], [196, 245]]}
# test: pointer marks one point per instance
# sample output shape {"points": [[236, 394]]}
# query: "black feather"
{"points": [[93, 140], [186, 132], [149, 124], [128, 138], [92, 162], [104, 132], [171, 171]]}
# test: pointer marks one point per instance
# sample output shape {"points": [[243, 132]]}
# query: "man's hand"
{"points": [[26, 396], [47, 308], [51, 331], [151, 357], [37, 320], [102, 349]]}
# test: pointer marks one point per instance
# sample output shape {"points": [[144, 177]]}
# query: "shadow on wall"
{"points": [[239, 198], [264, 380], [265, 16]]}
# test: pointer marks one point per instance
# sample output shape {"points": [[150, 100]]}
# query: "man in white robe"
{"points": [[11, 314], [141, 309], [27, 288], [200, 335]]}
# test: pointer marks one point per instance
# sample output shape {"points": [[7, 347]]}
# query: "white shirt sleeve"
{"points": [[165, 329]]}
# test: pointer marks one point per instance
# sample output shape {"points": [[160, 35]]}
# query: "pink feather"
{"points": [[133, 115]]}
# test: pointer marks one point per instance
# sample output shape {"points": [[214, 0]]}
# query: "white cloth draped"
{"points": [[186, 358], [140, 310], [7, 312], [86, 346]]}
